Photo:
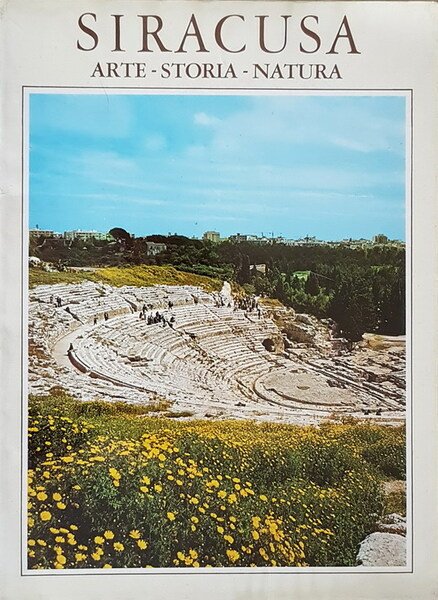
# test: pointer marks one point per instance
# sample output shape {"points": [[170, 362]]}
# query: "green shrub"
{"points": [[116, 490]]}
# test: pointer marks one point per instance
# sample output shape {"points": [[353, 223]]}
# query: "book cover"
{"points": [[219, 305]]}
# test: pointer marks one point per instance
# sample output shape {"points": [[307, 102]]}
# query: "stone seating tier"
{"points": [[213, 356]]}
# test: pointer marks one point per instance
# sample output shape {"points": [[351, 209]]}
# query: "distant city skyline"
{"points": [[332, 167], [100, 235]]}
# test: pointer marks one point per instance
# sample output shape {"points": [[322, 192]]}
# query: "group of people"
{"points": [[220, 302], [105, 316], [368, 411], [57, 301], [248, 304], [156, 318]]}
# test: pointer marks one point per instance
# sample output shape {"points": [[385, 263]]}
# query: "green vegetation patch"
{"points": [[302, 275], [111, 487], [40, 277], [143, 275]]}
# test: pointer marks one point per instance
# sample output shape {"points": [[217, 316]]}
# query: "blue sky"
{"points": [[330, 166]]}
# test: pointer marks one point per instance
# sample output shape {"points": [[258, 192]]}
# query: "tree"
{"points": [[244, 272], [120, 235], [352, 306], [312, 284]]}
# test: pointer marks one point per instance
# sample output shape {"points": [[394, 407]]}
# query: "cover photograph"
{"points": [[219, 327]]}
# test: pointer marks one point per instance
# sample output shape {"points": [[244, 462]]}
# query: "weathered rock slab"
{"points": [[382, 550], [393, 523]]}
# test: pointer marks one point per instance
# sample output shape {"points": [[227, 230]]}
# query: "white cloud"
{"points": [[272, 122], [201, 118]]}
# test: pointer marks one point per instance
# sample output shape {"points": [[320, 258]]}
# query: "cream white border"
{"points": [[400, 50]]}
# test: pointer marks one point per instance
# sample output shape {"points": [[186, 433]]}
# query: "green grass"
{"points": [[112, 486], [142, 275], [40, 277]]}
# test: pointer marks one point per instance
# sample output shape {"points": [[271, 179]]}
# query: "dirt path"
{"points": [[61, 347]]}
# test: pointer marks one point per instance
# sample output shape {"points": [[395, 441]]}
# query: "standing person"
{"points": [[105, 316], [95, 321]]}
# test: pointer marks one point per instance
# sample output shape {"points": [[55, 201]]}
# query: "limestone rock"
{"points": [[216, 358], [382, 550], [274, 343], [393, 523]]}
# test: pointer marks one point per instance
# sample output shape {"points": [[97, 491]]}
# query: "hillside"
{"points": [[142, 275]]}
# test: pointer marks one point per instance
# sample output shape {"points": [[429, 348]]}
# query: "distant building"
{"points": [[154, 248], [260, 268], [380, 239], [46, 233], [309, 241], [238, 238], [79, 234], [212, 236]]}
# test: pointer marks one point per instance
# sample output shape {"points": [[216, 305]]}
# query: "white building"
{"points": [[36, 233], [154, 248], [212, 236], [79, 234]]}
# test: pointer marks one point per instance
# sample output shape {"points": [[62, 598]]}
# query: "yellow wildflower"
{"points": [[114, 473], [233, 555], [135, 534], [79, 556], [256, 522]]}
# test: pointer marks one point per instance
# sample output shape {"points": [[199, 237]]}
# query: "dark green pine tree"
{"points": [[353, 307], [244, 272], [312, 284]]}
